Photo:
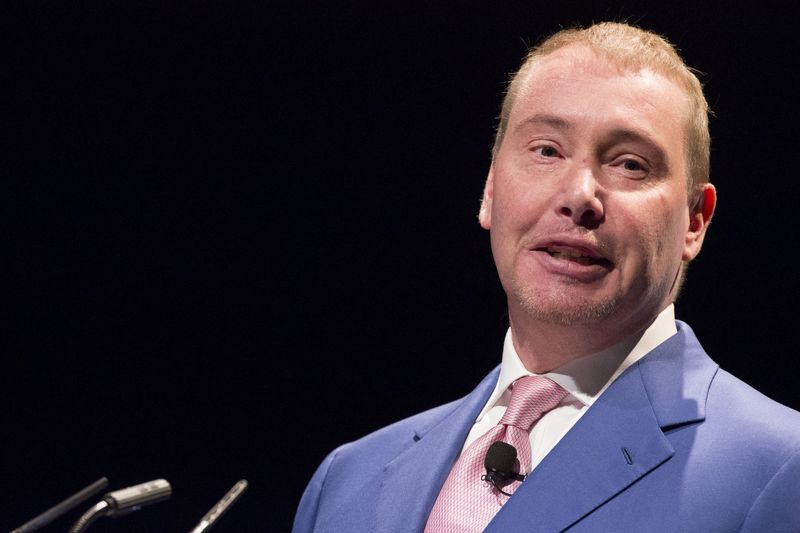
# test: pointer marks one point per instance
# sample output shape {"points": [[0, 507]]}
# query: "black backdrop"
{"points": [[241, 233]]}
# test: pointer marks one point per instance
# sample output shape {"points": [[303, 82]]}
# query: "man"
{"points": [[596, 199]]}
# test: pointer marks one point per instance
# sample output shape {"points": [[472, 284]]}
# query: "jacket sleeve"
{"points": [[777, 508], [305, 518]]}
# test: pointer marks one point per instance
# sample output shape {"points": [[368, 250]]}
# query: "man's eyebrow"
{"points": [[617, 134], [624, 134], [544, 120]]}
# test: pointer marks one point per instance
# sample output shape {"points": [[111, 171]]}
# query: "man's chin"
{"points": [[562, 310]]}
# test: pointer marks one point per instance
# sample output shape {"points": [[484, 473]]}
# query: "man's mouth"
{"points": [[568, 253]]}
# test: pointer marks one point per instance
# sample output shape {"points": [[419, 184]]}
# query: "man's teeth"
{"points": [[572, 255]]}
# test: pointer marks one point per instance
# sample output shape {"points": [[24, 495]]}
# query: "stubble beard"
{"points": [[554, 305]]}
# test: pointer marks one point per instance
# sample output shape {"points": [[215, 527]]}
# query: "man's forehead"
{"points": [[577, 67], [573, 59]]}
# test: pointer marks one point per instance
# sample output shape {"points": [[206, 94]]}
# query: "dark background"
{"points": [[239, 234]]}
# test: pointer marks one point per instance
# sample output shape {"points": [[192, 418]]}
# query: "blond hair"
{"points": [[632, 49]]}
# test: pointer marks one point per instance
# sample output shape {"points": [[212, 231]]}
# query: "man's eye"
{"points": [[547, 151], [632, 165]]}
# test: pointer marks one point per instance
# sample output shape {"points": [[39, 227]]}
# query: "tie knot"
{"points": [[531, 397]]}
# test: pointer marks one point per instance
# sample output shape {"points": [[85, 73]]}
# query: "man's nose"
{"points": [[581, 199]]}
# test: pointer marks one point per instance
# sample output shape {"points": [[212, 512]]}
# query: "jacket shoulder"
{"points": [[763, 419], [390, 440]]}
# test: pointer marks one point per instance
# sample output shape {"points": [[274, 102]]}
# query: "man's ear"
{"points": [[700, 212], [485, 214]]}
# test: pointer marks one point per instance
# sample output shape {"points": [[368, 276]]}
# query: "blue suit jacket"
{"points": [[702, 452]]}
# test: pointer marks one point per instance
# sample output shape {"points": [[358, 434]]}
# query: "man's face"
{"points": [[586, 199]]}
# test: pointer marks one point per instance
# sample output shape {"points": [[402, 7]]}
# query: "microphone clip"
{"points": [[497, 478]]}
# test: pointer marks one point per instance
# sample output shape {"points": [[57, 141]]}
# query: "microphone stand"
{"points": [[86, 519]]}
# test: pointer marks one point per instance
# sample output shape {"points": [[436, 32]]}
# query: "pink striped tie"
{"points": [[466, 504]]}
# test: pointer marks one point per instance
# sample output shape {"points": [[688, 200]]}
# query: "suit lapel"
{"points": [[618, 440], [412, 480]]}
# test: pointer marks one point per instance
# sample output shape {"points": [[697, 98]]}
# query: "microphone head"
{"points": [[124, 501], [501, 458]]}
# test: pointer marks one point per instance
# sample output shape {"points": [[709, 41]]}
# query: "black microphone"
{"points": [[63, 507], [124, 501], [501, 458]]}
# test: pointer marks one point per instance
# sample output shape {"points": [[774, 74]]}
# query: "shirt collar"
{"points": [[587, 377]]}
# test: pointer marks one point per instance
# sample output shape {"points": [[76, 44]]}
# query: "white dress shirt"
{"points": [[584, 378]]}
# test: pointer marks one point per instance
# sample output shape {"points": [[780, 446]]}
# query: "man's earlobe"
{"points": [[485, 213]]}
